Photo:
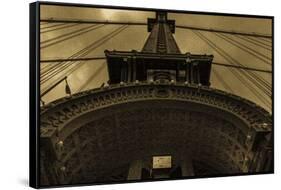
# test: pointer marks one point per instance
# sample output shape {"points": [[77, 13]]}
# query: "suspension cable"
{"points": [[59, 20], [58, 28], [258, 78], [254, 42], [264, 40], [243, 45], [258, 41], [249, 73], [245, 48], [71, 36], [241, 67], [224, 84], [69, 59], [265, 83], [268, 86], [236, 74], [94, 46], [83, 51], [53, 25], [53, 67], [224, 31]]}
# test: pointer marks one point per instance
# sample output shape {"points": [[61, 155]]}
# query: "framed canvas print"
{"points": [[120, 94]]}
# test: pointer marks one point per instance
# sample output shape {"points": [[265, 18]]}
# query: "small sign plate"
{"points": [[161, 162]]}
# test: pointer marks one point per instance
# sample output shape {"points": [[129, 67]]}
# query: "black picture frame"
{"points": [[34, 82]]}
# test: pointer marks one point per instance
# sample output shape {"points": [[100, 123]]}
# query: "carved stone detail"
{"points": [[141, 130]]}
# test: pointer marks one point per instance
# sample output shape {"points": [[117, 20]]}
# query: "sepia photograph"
{"points": [[134, 94]]}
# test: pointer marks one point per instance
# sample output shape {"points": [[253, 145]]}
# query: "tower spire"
{"points": [[161, 39]]}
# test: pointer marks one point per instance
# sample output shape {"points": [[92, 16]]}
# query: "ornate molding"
{"points": [[235, 139]]}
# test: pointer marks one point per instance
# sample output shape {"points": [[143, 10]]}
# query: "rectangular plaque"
{"points": [[162, 162]]}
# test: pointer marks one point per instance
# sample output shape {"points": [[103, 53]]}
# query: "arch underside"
{"points": [[100, 145]]}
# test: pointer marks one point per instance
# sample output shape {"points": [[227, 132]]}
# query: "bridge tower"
{"points": [[153, 121], [160, 59]]}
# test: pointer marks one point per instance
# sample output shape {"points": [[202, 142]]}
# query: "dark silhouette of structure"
{"points": [[160, 59], [157, 118]]}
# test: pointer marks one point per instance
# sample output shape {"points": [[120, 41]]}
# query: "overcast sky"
{"points": [[92, 74]]}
